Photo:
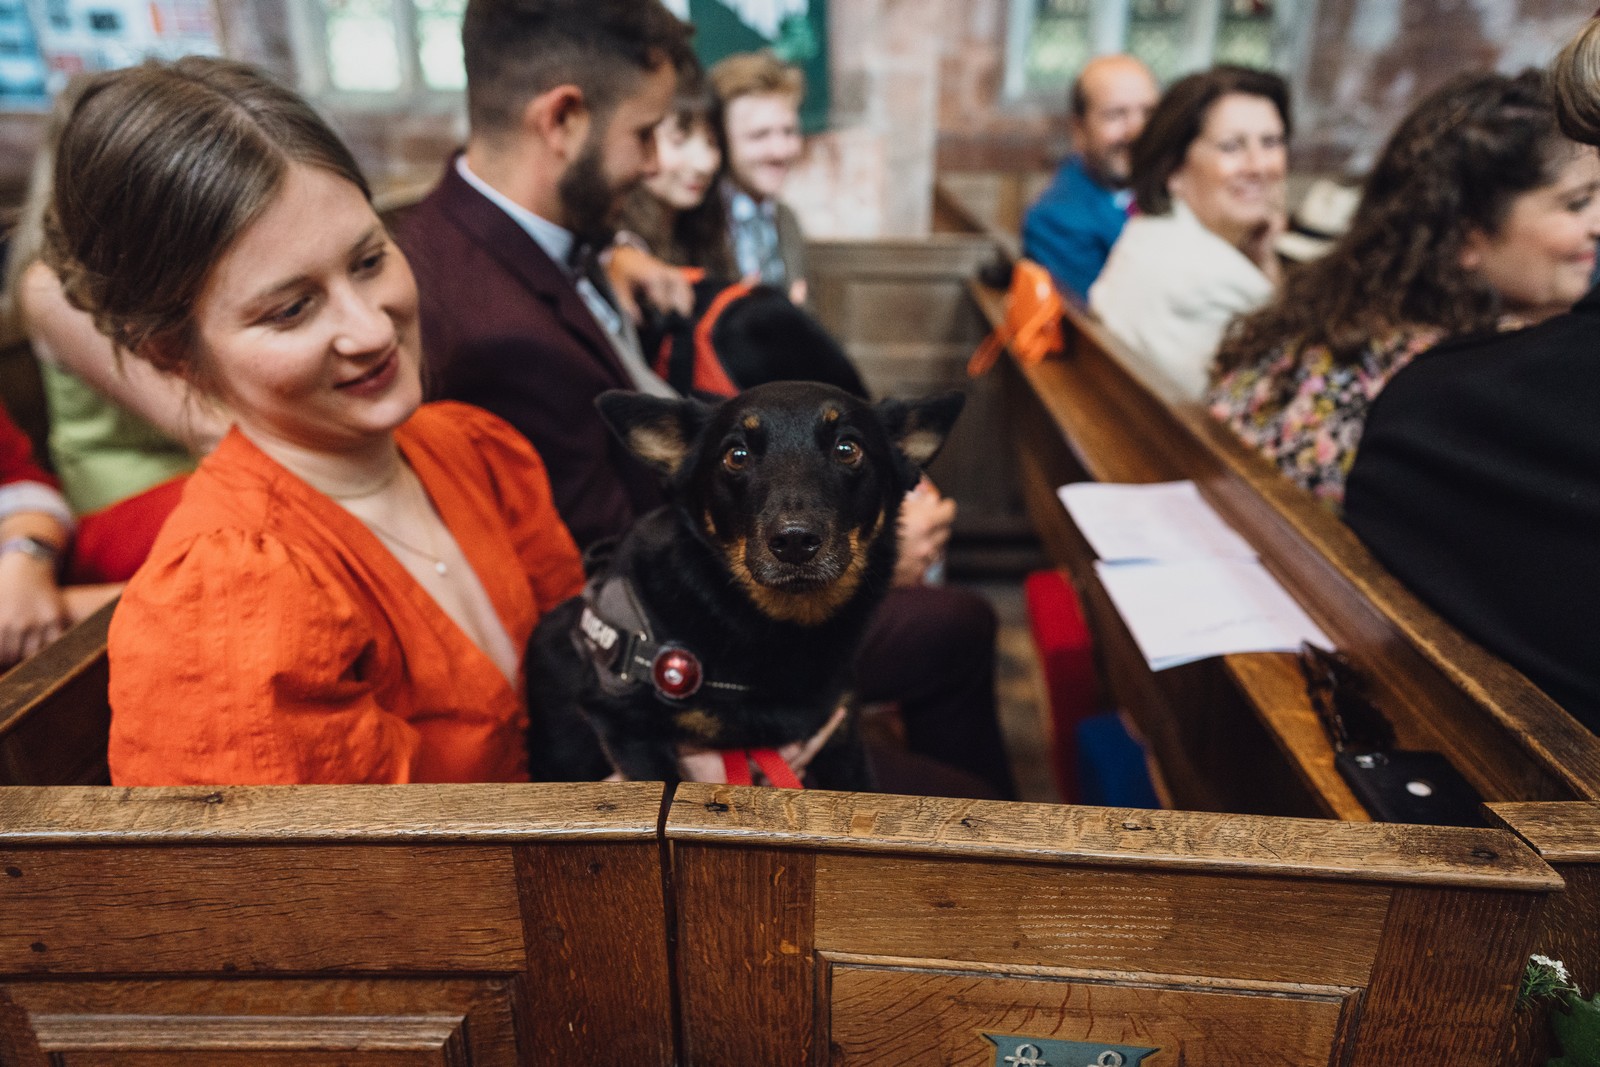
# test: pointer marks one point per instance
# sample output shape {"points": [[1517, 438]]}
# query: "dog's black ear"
{"points": [[918, 428], [658, 430]]}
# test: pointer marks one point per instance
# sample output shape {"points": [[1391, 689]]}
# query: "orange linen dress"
{"points": [[271, 638]]}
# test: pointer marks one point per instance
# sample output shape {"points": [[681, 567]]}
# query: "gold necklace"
{"points": [[431, 553], [387, 481], [440, 566]]}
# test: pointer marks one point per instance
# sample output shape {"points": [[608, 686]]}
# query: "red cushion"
{"points": [[112, 543], [1066, 655]]}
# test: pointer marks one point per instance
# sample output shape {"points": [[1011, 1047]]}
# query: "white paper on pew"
{"points": [[1164, 521], [1187, 610]]}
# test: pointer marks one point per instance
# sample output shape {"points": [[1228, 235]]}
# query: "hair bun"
{"points": [[1576, 76]]}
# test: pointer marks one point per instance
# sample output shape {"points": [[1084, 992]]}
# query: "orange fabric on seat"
{"points": [[270, 638]]}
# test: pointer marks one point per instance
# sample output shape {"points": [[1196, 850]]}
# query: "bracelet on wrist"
{"points": [[37, 547]]}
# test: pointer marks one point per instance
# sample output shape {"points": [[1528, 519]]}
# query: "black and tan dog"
{"points": [[730, 618]]}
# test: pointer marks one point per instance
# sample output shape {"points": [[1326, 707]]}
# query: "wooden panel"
{"points": [[316, 925], [908, 310], [1175, 841], [596, 929], [745, 961], [1445, 981], [1131, 921], [204, 909], [256, 1057], [137, 1040], [1426, 926], [340, 814], [54, 714], [891, 1014], [355, 1013]]}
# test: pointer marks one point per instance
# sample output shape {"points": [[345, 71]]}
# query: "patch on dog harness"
{"points": [[615, 634]]}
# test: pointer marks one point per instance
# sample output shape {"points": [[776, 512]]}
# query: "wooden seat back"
{"points": [[484, 924], [849, 928], [55, 715], [312, 925]]}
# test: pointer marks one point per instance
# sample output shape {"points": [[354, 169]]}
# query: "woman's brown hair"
{"points": [[1575, 77], [1179, 117], [159, 169], [1453, 165]]}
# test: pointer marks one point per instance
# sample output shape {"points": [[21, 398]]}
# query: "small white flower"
{"points": [[1557, 966]]}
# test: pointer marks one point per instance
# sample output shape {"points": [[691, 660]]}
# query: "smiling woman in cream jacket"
{"points": [[1209, 179]]}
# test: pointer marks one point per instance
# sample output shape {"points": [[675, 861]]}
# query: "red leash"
{"points": [[736, 762]]}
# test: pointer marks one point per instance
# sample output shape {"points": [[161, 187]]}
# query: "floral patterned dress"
{"points": [[1304, 411]]}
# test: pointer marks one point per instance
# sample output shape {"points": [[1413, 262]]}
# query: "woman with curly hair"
{"points": [[1479, 215], [1478, 479]]}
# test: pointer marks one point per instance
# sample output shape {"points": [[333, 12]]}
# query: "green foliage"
{"points": [[1577, 1030]]}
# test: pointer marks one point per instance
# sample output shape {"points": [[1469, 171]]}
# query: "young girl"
{"points": [[678, 212]]}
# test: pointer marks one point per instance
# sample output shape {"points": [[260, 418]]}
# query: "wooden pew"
{"points": [[1567, 837], [312, 925], [847, 928], [1238, 733], [1088, 415], [54, 712]]}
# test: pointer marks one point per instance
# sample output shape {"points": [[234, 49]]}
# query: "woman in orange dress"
{"points": [[346, 588]]}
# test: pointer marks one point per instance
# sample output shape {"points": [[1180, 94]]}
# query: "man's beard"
{"points": [[588, 199], [1115, 168]]}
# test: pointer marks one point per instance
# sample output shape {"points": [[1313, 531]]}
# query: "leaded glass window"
{"points": [[1060, 43], [363, 52], [439, 43], [1245, 33], [1159, 34], [1048, 41]]}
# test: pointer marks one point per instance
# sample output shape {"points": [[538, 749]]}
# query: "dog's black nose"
{"points": [[794, 544]]}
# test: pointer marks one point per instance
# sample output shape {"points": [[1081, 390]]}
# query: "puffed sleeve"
{"points": [[518, 479], [237, 661]]}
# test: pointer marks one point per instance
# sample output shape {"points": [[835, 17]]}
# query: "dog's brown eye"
{"points": [[847, 452], [736, 458]]}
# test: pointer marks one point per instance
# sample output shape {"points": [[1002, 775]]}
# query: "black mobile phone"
{"points": [[1411, 787]]}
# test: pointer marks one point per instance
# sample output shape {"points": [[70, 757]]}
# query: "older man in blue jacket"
{"points": [[1071, 228]]}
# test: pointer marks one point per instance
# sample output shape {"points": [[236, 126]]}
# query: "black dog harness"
{"points": [[614, 632]]}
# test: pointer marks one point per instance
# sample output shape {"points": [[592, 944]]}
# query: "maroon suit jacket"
{"points": [[504, 328]]}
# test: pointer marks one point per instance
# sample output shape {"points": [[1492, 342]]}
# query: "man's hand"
{"points": [[638, 276], [925, 519], [32, 613]]}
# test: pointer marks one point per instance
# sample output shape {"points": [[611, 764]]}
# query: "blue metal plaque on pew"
{"points": [[1011, 1050]]}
